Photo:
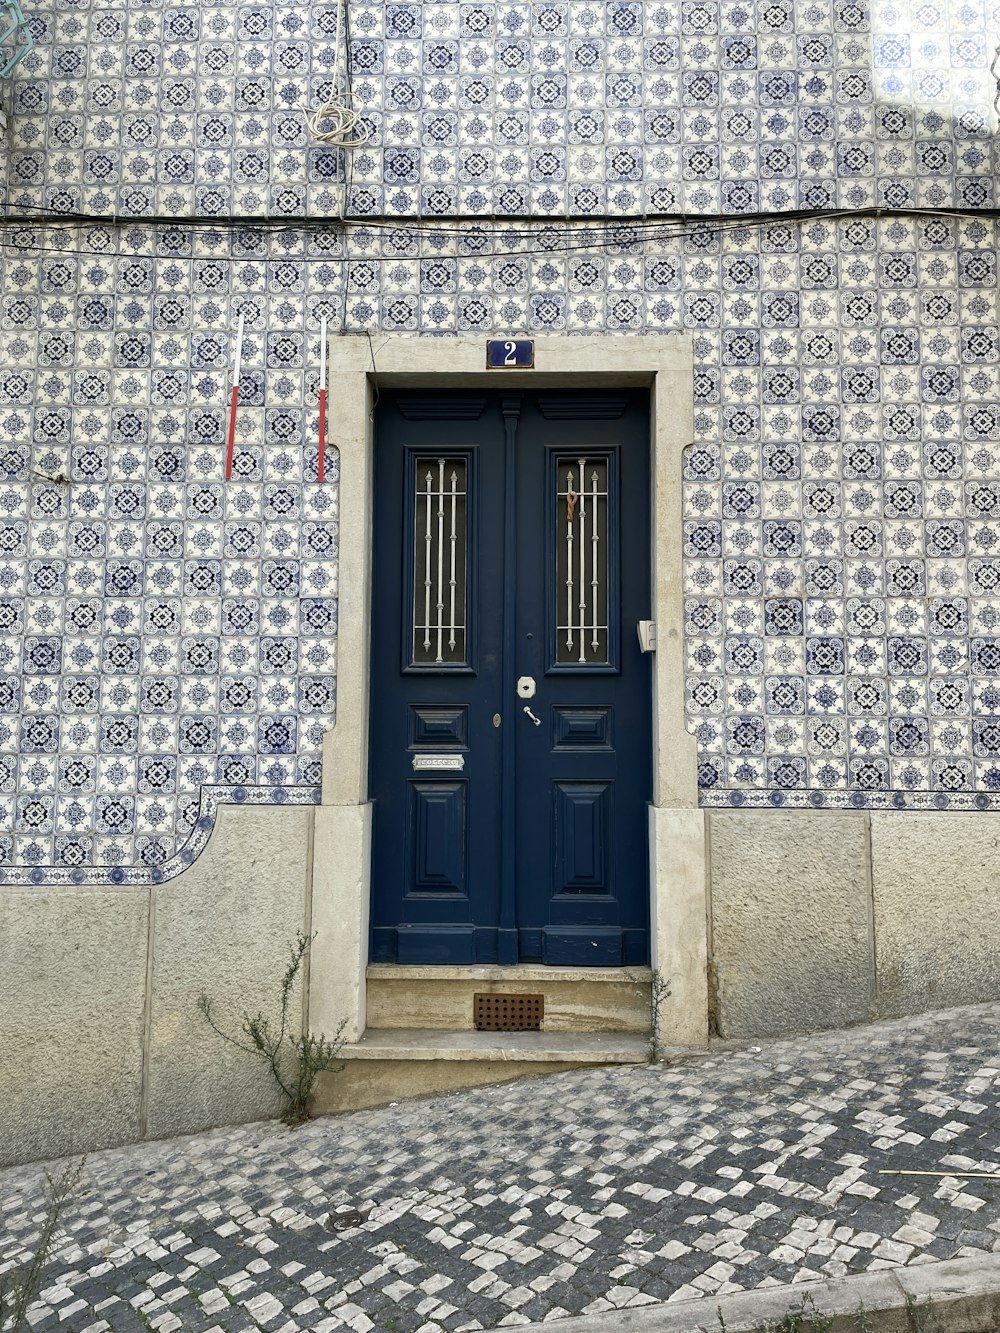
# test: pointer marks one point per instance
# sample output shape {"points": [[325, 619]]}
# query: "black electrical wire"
{"points": [[491, 223], [605, 233]]}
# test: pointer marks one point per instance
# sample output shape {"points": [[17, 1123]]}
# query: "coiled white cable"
{"points": [[336, 122], [344, 127]]}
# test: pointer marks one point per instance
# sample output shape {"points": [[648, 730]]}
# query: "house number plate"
{"points": [[454, 762], [510, 354]]}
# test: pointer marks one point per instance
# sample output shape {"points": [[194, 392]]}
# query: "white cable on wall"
{"points": [[336, 122]]}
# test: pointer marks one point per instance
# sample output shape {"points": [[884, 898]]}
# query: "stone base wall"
{"points": [[821, 920], [101, 1038], [816, 921]]}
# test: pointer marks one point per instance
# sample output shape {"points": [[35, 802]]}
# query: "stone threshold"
{"points": [[950, 1296], [526, 972], [571, 1048]]}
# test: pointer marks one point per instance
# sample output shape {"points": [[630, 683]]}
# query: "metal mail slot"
{"points": [[455, 762]]}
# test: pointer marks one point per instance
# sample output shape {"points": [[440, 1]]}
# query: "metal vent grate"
{"points": [[508, 1013]]}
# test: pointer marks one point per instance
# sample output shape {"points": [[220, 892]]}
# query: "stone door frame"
{"points": [[341, 883]]}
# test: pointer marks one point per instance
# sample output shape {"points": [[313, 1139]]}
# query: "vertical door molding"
{"points": [[342, 840], [342, 868], [678, 908]]}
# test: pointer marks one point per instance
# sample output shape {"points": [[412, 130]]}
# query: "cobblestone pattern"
{"points": [[578, 1193]]}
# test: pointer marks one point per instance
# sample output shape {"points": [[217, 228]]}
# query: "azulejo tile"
{"points": [[165, 636]]}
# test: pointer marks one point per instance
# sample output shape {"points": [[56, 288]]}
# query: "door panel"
{"points": [[581, 728], [583, 584], [508, 822], [438, 837], [434, 676], [439, 728], [582, 837]]}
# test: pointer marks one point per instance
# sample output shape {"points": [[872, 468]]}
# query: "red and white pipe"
{"points": [[234, 398], [321, 460]]}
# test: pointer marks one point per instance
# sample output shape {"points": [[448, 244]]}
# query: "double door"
{"points": [[510, 763]]}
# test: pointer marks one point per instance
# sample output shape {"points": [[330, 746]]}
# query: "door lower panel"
{"points": [[583, 830]]}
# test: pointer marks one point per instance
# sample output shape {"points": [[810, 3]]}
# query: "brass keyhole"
{"points": [[496, 719]]}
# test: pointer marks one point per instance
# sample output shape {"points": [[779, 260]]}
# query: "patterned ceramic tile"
{"points": [[168, 637]]}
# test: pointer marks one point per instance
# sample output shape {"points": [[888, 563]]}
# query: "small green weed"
{"points": [[294, 1062], [20, 1286], [659, 992], [806, 1319], [918, 1313]]}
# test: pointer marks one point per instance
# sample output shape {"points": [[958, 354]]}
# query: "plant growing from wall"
{"points": [[659, 991], [806, 1319], [294, 1062], [918, 1313], [20, 1285]]}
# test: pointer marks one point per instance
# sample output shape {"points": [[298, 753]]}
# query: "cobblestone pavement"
{"points": [[571, 1194]]}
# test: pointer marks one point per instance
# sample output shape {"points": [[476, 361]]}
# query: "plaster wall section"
{"points": [[791, 945], [224, 930], [72, 1006], [101, 1037], [937, 911]]}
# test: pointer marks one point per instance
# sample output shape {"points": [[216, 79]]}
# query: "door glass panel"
{"points": [[582, 558], [440, 561]]}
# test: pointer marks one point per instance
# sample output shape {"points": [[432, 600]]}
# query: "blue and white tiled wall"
{"points": [[168, 639]]}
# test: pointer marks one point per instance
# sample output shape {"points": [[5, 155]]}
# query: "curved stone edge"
{"points": [[952, 1296], [211, 798]]}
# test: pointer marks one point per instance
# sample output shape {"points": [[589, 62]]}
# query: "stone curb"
{"points": [[952, 1296]]}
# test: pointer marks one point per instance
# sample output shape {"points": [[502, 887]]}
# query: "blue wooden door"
{"points": [[510, 764]]}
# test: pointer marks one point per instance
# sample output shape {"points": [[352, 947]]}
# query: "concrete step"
{"points": [[577, 999], [574, 1048], [393, 1064]]}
